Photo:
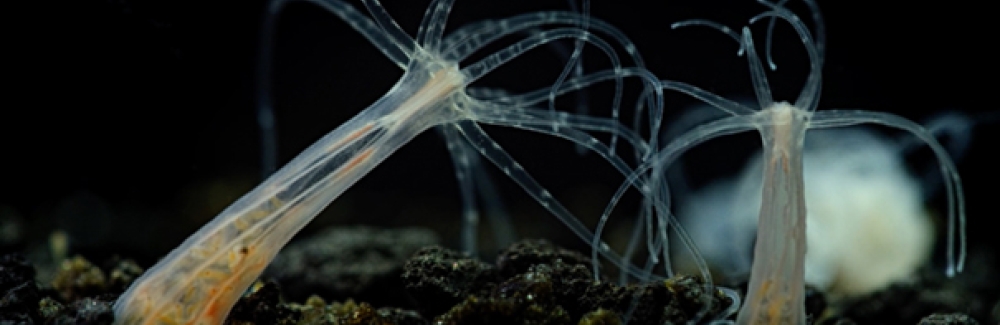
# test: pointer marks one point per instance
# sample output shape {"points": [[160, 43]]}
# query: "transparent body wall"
{"points": [[213, 267], [200, 281]]}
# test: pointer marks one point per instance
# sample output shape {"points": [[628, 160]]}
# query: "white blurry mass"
{"points": [[866, 223]]}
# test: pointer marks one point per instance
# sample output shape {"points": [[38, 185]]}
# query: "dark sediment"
{"points": [[532, 282]]}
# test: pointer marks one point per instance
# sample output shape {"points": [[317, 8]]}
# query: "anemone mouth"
{"points": [[782, 114]]}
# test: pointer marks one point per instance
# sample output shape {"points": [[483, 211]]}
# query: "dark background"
{"points": [[128, 124]]}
